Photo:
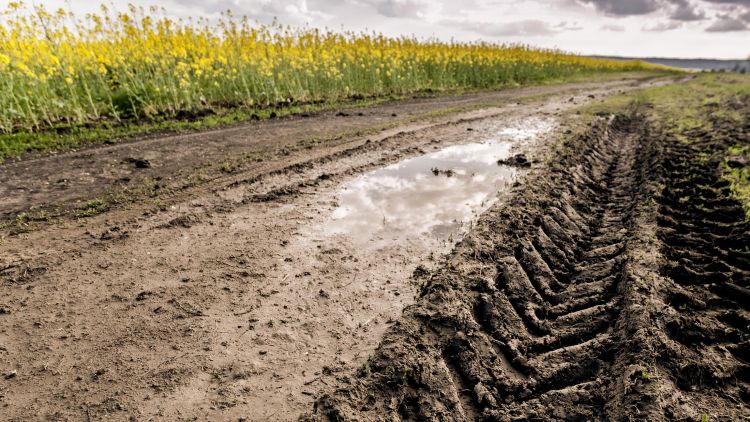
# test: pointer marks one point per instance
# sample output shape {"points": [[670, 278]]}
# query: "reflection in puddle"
{"points": [[419, 197]]}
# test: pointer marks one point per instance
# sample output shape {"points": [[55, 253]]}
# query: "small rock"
{"points": [[11, 375]]}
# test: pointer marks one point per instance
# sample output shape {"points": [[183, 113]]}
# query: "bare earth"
{"points": [[219, 291]]}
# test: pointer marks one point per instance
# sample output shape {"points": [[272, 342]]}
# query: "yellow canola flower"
{"points": [[168, 64]]}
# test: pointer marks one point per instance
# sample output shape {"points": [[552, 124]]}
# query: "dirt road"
{"points": [[615, 287], [255, 269]]}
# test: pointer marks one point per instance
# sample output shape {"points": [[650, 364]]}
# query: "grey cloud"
{"points": [[745, 3], [681, 10], [736, 12], [624, 7], [727, 23], [663, 26], [613, 28], [288, 11], [568, 26], [685, 11], [531, 27], [405, 8]]}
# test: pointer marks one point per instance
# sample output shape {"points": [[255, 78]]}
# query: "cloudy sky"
{"points": [[666, 28]]}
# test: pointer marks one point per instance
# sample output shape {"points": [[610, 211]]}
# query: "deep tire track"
{"points": [[706, 238], [521, 323], [571, 303]]}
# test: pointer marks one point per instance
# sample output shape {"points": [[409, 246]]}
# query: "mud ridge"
{"points": [[705, 237], [558, 306]]}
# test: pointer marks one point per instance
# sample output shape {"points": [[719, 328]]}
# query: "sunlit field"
{"points": [[60, 69]]}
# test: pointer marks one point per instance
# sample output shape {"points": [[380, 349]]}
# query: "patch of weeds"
{"points": [[227, 167], [25, 221], [739, 183], [681, 107], [92, 208]]}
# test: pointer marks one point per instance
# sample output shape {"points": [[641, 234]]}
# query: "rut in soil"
{"points": [[555, 308]]}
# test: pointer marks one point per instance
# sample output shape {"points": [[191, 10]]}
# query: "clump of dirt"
{"points": [[139, 163], [518, 160], [447, 172], [556, 307]]}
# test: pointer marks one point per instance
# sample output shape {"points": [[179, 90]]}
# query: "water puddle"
{"points": [[434, 196]]}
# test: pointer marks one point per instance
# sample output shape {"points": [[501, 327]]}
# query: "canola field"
{"points": [[58, 69]]}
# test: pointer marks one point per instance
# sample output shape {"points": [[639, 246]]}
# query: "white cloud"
{"points": [[523, 28], [405, 8], [604, 27], [662, 26], [289, 11]]}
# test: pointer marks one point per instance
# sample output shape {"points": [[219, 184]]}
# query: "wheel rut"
{"points": [[580, 299]]}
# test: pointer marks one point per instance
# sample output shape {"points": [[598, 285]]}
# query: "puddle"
{"points": [[434, 196]]}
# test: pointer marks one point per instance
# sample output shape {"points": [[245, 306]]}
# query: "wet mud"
{"points": [[614, 287], [239, 297]]}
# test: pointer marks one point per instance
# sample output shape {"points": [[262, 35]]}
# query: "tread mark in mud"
{"points": [[554, 308], [706, 238], [555, 298]]}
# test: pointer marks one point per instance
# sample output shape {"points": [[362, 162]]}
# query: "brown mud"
{"points": [[613, 288], [166, 166], [229, 298]]}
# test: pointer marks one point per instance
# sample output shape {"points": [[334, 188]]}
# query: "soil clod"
{"points": [[518, 160]]}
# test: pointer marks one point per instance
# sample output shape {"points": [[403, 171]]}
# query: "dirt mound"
{"points": [[557, 306]]}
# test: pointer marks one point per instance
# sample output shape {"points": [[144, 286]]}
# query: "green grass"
{"points": [[739, 178], [697, 104], [17, 145], [66, 138]]}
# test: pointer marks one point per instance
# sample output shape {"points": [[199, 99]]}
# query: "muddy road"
{"points": [[260, 272], [616, 287]]}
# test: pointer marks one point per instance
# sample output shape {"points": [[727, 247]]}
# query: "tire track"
{"points": [[706, 237], [583, 298], [521, 319]]}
